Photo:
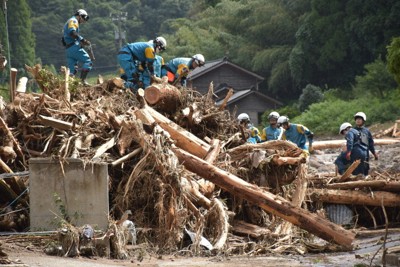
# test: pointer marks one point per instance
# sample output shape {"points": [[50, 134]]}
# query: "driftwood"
{"points": [[381, 185], [374, 198], [248, 229], [320, 145], [183, 138], [267, 201]]}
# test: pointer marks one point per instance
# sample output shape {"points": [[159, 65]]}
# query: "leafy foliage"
{"points": [[311, 94]]}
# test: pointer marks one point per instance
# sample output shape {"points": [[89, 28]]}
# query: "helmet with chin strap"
{"points": [[199, 59], [83, 14], [344, 126], [283, 119], [361, 115], [273, 115], [160, 43]]}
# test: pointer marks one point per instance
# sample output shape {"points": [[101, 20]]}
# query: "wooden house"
{"points": [[226, 75]]}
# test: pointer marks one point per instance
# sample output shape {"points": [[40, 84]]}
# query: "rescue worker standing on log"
{"points": [[73, 45], [296, 133], [178, 69], [251, 132], [273, 131], [137, 58]]}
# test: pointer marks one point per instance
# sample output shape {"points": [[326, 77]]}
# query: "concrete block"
{"points": [[81, 187]]}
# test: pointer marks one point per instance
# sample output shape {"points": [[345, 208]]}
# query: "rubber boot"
{"points": [[83, 78]]}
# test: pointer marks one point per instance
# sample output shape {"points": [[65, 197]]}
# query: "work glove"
{"points": [[85, 42], [376, 156], [348, 154]]}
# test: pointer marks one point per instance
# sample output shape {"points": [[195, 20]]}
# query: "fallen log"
{"points": [[320, 145], [381, 185], [267, 201], [375, 198], [164, 95], [183, 138]]}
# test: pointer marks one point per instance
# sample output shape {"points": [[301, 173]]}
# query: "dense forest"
{"points": [[302, 48]]}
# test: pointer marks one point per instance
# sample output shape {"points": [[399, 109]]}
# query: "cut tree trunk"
{"points": [[164, 95], [267, 201], [375, 198]]}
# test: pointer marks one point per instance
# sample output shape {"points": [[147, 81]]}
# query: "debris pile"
{"points": [[179, 165]]}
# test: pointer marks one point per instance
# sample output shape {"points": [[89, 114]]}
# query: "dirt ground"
{"points": [[366, 249]]}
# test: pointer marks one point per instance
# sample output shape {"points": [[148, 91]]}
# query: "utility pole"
{"points": [[120, 36], [8, 39]]}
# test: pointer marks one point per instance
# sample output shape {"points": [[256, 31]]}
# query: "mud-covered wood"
{"points": [[379, 185]]}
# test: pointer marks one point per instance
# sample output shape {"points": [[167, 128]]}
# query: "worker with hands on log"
{"points": [[157, 65], [252, 135], [297, 134], [138, 58], [354, 150], [273, 131], [178, 69], [73, 43]]}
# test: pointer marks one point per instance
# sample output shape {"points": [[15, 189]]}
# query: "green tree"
{"points": [[376, 79], [393, 58], [311, 94], [22, 40]]}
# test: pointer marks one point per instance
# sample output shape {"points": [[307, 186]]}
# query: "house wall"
{"points": [[224, 74], [252, 105]]}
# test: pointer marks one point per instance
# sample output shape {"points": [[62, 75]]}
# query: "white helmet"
{"points": [[273, 115], [84, 15], [161, 43], [243, 117], [199, 59], [344, 126], [362, 115], [283, 119]]}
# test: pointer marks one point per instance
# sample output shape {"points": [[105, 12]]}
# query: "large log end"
{"points": [[152, 95]]}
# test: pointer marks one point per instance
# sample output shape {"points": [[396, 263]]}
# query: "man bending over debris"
{"points": [[178, 69], [251, 132], [138, 58], [73, 42], [354, 150], [296, 133]]}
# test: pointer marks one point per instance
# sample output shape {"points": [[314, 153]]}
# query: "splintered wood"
{"points": [[176, 160]]}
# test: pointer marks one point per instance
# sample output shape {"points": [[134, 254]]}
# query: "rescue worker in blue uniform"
{"points": [[178, 69], [366, 138], [296, 133], [354, 150], [73, 42], [253, 135], [273, 131], [137, 58], [157, 65]]}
